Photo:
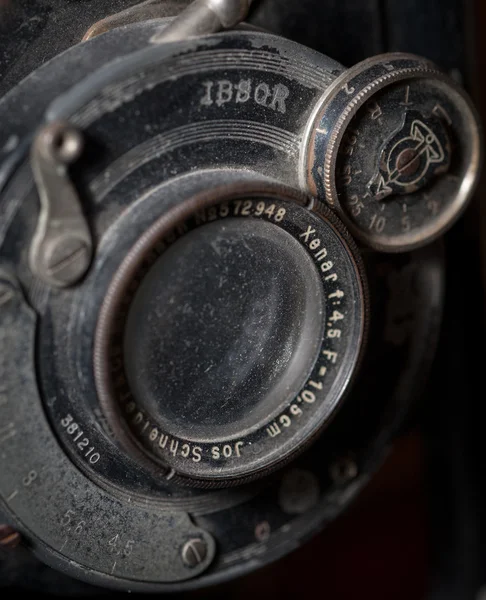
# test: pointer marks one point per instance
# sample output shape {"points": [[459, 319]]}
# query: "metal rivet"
{"points": [[343, 470]]}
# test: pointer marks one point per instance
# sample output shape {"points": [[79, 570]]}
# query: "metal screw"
{"points": [[9, 538], [343, 470], [194, 552], [61, 142], [262, 531], [67, 259]]}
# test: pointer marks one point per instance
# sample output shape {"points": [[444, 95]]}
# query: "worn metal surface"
{"points": [[205, 16], [192, 94], [142, 11], [55, 505], [61, 247], [349, 30]]}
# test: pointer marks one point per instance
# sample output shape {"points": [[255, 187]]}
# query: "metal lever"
{"points": [[198, 18], [202, 17], [61, 249]]}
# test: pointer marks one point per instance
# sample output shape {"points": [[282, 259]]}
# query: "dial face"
{"points": [[395, 173], [398, 163]]}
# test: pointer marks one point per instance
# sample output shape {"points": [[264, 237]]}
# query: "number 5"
{"points": [[67, 518]]}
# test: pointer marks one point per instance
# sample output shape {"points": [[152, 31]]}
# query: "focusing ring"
{"points": [[270, 429]]}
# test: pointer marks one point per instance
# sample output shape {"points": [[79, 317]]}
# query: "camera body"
{"points": [[212, 329]]}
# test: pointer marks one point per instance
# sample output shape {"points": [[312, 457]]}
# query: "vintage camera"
{"points": [[221, 285]]}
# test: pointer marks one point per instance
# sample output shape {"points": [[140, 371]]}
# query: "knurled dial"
{"points": [[395, 149]]}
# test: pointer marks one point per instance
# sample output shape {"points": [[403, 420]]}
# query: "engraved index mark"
{"points": [[12, 495], [406, 102], [7, 432]]}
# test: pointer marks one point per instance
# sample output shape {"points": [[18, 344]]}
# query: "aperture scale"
{"points": [[395, 150]]}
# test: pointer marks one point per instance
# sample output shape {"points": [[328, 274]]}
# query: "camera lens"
{"points": [[229, 334], [224, 330]]}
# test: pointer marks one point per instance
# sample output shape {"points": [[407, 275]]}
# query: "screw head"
{"points": [[262, 531], [61, 142], [343, 470], [194, 552], [67, 260]]}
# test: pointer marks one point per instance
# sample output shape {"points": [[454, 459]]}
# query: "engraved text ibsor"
{"points": [[223, 91]]}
